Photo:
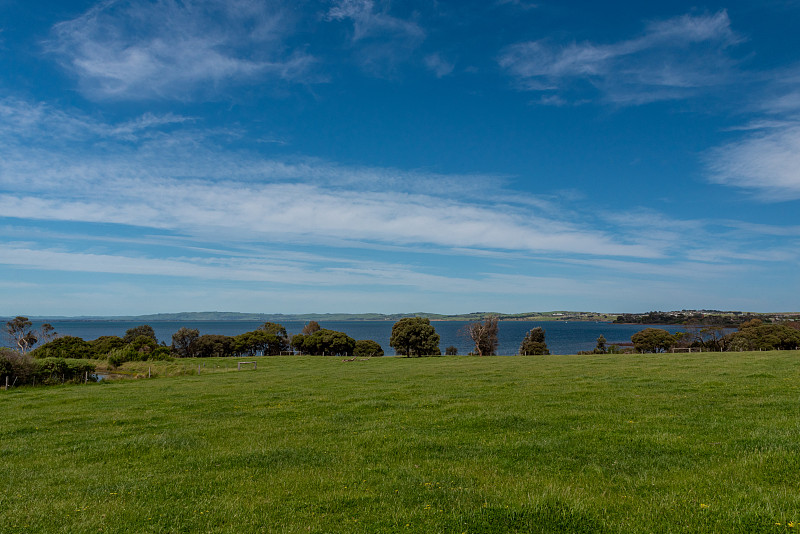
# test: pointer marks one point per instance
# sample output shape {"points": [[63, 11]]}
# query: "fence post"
{"points": [[6, 382]]}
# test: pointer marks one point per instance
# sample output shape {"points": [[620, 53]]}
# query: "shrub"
{"points": [[65, 347], [17, 367], [59, 370], [105, 344], [143, 344], [125, 354], [130, 354], [367, 348], [160, 354]]}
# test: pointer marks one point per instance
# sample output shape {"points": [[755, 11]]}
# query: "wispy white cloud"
{"points": [[232, 268], [369, 22], [672, 59], [205, 190], [520, 4], [141, 49], [379, 39], [266, 211], [438, 65], [765, 161], [221, 214], [778, 93]]}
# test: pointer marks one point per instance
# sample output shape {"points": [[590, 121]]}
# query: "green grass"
{"points": [[668, 443]]}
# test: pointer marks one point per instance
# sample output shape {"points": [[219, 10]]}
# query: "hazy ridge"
{"points": [[277, 317]]}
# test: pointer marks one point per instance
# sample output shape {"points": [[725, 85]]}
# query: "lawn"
{"points": [[644, 443]]}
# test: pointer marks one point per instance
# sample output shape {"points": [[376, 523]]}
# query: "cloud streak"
{"points": [[174, 184], [165, 49], [672, 59], [238, 217], [766, 161], [379, 39]]}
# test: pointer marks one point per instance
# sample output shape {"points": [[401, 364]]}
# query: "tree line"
{"points": [[56, 359], [55, 356], [687, 318], [750, 335]]}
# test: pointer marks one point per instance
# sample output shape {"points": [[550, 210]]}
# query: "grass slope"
{"points": [[632, 444]]}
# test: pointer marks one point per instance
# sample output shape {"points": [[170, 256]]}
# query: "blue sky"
{"points": [[386, 156]]}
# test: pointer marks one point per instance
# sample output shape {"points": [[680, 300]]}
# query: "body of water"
{"points": [[562, 337]]}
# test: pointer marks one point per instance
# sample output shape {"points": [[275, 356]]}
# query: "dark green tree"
{"points": [[278, 331], [183, 342], [601, 345], [142, 330], [105, 344], [143, 344], [414, 336], [258, 342], [214, 346], [534, 343], [764, 337], [326, 342], [451, 351], [65, 347], [653, 340], [297, 343], [367, 348]]}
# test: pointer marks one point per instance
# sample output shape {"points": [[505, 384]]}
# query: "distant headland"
{"points": [[716, 317]]}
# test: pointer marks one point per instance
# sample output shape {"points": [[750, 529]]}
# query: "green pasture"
{"points": [[617, 444]]}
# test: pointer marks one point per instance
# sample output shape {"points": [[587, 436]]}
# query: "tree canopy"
{"points": [[65, 347], [367, 348], [213, 346], [142, 330], [534, 343], [183, 342], [653, 340], [414, 336], [258, 342], [764, 337], [324, 342]]}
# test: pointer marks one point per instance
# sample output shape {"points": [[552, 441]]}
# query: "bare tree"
{"points": [[47, 333], [310, 328], [484, 335], [19, 331]]}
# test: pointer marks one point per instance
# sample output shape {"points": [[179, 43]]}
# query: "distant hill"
{"points": [[278, 317]]}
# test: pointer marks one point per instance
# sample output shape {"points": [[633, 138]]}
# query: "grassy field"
{"points": [[645, 443]]}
